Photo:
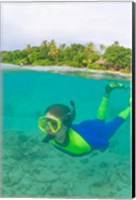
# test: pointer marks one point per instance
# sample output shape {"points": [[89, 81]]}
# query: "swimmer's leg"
{"points": [[102, 110], [126, 112], [111, 127]]}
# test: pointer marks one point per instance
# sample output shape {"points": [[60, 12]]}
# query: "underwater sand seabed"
{"points": [[31, 168]]}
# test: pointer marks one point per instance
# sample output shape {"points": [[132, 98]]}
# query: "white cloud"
{"points": [[66, 22]]}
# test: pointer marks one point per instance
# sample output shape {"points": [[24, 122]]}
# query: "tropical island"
{"points": [[115, 57]]}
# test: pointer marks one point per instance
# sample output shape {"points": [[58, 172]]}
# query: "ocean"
{"points": [[31, 168]]}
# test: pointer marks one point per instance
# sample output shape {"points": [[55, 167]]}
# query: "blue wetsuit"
{"points": [[97, 132]]}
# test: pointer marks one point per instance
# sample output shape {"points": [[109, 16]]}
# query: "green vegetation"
{"points": [[114, 57]]}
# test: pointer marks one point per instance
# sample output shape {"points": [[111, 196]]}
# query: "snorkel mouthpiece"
{"points": [[57, 135], [48, 138]]}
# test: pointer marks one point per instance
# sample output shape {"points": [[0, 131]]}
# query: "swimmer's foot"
{"points": [[114, 85]]}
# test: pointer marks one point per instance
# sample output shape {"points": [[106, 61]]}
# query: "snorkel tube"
{"points": [[73, 111]]}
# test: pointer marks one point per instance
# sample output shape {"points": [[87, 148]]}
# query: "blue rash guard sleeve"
{"points": [[90, 137]]}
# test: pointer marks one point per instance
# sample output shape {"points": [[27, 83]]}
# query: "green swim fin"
{"points": [[115, 85]]}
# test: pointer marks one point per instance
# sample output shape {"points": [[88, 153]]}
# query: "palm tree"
{"points": [[116, 43], [44, 44], [44, 49], [28, 48], [89, 48], [53, 51], [102, 48]]}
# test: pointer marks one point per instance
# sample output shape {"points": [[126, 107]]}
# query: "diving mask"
{"points": [[51, 122]]}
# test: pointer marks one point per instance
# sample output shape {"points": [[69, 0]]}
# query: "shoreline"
{"points": [[63, 68]]}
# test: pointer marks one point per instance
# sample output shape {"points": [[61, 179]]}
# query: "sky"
{"points": [[65, 22]]}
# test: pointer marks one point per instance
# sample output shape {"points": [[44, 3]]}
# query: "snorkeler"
{"points": [[81, 139]]}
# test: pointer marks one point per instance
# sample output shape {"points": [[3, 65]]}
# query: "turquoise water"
{"points": [[32, 168]]}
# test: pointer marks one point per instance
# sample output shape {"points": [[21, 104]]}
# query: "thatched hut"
{"points": [[101, 61]]}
